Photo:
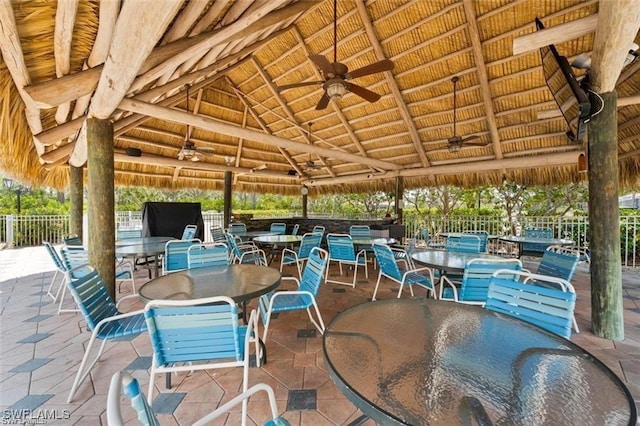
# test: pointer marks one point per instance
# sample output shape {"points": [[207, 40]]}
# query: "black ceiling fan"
{"points": [[455, 141], [336, 75], [189, 151]]}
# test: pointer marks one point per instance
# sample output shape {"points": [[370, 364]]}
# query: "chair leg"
{"points": [[575, 324], [375, 290], [81, 376], [51, 285], [152, 380], [320, 326], [64, 292]]}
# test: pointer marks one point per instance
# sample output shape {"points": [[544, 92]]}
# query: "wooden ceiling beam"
{"points": [[554, 35], [393, 85], [62, 36], [469, 10]]}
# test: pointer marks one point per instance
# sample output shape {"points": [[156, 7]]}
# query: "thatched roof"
{"points": [[66, 60]]}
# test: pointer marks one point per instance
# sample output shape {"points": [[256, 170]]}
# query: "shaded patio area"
{"points": [[40, 352]]}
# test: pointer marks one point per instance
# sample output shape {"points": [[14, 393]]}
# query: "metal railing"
{"points": [[31, 230]]}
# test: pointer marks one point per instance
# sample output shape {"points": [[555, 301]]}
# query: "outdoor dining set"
{"points": [[469, 335]]}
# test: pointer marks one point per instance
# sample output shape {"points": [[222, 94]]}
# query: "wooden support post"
{"points": [[399, 198], [604, 222], [76, 185], [305, 198], [226, 212], [100, 173]]}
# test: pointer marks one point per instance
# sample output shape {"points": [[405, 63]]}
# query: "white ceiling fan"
{"points": [[189, 150]]}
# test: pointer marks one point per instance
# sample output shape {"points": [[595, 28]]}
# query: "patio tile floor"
{"points": [[40, 352]]}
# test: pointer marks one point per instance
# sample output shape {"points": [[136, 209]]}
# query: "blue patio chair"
{"points": [[103, 318], [360, 232], [218, 235], [74, 257], [175, 255], [289, 256], [532, 248], [59, 274], [302, 298], [278, 228], [245, 252], [547, 308], [189, 232], [207, 254], [122, 382], [463, 243], [72, 240], [318, 229], [406, 277], [186, 333], [124, 234], [404, 254], [475, 280], [237, 228], [559, 262], [484, 238], [342, 250], [295, 229]]}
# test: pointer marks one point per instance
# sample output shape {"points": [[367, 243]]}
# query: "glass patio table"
{"points": [[452, 262], [522, 240], [143, 247], [422, 361]]}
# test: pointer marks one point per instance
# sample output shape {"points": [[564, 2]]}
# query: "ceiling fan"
{"points": [[336, 75], [310, 164], [455, 141], [189, 151]]}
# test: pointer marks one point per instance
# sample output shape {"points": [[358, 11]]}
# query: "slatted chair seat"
{"points": [[122, 382], [207, 254], [103, 319], [406, 277], [309, 241], [302, 298], [72, 240], [360, 232], [125, 234], [484, 238], [475, 280], [547, 308], [559, 262], [204, 333], [237, 228], [342, 250]]}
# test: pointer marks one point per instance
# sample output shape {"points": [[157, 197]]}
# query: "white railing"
{"points": [[31, 230]]}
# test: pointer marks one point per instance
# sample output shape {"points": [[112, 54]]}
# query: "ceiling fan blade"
{"points": [[380, 66], [323, 102], [473, 140], [294, 85], [206, 149], [323, 64], [363, 93]]}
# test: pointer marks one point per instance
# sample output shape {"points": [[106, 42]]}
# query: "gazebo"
{"points": [[286, 96]]}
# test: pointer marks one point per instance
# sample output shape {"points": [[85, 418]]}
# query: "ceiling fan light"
{"points": [[454, 148], [335, 91]]}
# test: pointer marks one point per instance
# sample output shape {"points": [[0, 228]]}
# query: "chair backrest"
{"points": [[201, 255], [477, 276], [426, 237], [387, 261], [72, 240], [547, 308], [295, 229], [92, 298], [341, 247], [278, 228], [559, 262], [122, 382], [314, 269], [318, 229], [309, 241], [463, 243], [484, 238], [73, 258], [189, 232], [194, 330], [217, 234], [237, 227], [123, 234], [536, 233], [55, 257], [175, 255], [360, 231]]}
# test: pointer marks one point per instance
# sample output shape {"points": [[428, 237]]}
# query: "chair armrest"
{"points": [[255, 251], [292, 279], [286, 250], [419, 271], [119, 316], [450, 284]]}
